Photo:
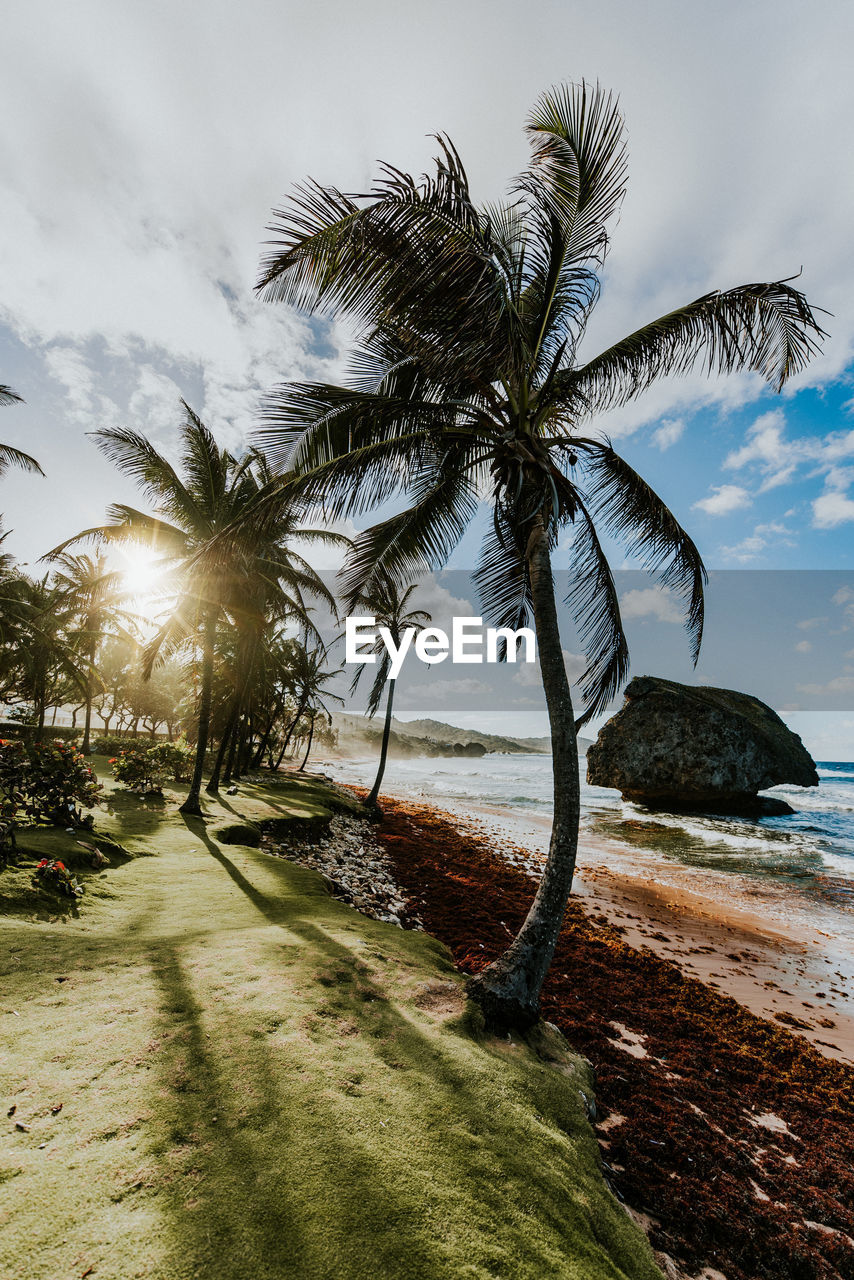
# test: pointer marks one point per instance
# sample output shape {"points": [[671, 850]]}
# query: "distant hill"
{"points": [[431, 738]]}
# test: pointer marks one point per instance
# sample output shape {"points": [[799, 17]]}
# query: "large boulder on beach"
{"points": [[696, 749]]}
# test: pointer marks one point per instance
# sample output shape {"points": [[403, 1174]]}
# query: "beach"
{"points": [[759, 911], [722, 1103]]}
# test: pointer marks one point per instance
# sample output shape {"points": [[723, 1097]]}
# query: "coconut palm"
{"points": [[274, 587], [387, 605], [310, 673], [94, 593], [46, 663], [192, 512], [467, 377], [9, 456]]}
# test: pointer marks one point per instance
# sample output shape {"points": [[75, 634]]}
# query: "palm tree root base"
{"points": [[502, 1010]]}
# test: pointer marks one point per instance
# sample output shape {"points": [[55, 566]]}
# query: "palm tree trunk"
{"points": [[375, 789], [291, 727], [508, 991], [308, 748], [87, 727], [192, 805], [213, 785], [258, 758]]}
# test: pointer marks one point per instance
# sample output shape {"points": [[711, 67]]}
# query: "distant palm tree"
{"points": [[9, 456], [310, 673], [467, 377], [94, 593], [387, 605], [45, 667]]}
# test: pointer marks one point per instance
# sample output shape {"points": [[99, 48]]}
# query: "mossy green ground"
{"points": [[256, 1081]]}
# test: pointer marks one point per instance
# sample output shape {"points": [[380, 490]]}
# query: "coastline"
{"points": [[777, 963], [724, 1128], [801, 978]]}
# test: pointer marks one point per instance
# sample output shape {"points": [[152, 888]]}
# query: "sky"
{"points": [[143, 147]]}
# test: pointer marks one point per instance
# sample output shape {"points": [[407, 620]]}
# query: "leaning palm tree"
{"points": [[9, 456], [387, 605], [467, 377]]}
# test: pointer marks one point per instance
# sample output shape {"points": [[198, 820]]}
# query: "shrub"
{"points": [[55, 875], [18, 729], [48, 781], [112, 745], [139, 771], [177, 757]]}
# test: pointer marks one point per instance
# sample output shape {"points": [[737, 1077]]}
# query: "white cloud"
{"points": [[832, 508], [651, 602], [810, 624], [780, 460], [803, 646], [840, 685], [772, 533], [723, 499], [668, 433]]}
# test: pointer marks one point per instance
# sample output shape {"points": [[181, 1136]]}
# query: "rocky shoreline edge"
{"points": [[355, 867]]}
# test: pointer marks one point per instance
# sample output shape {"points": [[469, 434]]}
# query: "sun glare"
{"points": [[143, 575]]}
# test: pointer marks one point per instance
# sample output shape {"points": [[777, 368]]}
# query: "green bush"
{"points": [[114, 743], [48, 781], [177, 757], [139, 771], [29, 732]]}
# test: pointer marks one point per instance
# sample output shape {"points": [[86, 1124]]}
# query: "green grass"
{"points": [[256, 1081]]}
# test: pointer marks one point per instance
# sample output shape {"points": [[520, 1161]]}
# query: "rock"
{"points": [[696, 749]]}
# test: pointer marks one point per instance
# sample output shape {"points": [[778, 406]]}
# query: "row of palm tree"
{"points": [[70, 638]]}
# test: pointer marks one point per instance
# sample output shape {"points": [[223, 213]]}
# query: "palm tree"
{"points": [[93, 591], [387, 605], [310, 673], [9, 456], [46, 663], [270, 590], [210, 573], [467, 377]]}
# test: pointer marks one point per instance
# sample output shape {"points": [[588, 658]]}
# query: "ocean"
{"points": [[794, 870]]}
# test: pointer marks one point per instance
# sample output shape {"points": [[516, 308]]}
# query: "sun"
{"points": [[143, 574]]}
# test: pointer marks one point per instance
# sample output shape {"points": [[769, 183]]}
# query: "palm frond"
{"points": [[12, 457], [137, 458], [767, 328], [416, 540], [595, 605], [578, 170], [502, 578], [633, 512], [8, 396]]}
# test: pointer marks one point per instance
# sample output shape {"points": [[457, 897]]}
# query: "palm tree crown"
{"points": [[466, 373]]}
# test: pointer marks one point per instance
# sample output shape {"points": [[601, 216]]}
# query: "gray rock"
{"points": [[696, 749]]}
